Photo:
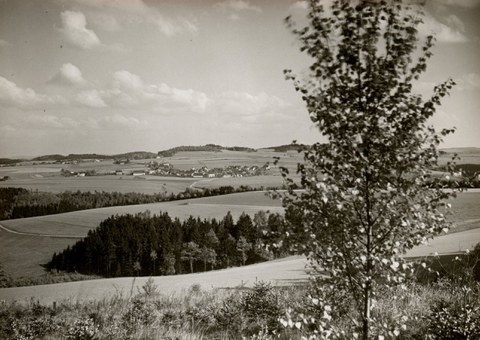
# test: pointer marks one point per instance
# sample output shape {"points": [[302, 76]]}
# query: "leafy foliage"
{"points": [[369, 192]]}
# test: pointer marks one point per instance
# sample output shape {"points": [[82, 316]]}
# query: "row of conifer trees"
{"points": [[146, 244]]}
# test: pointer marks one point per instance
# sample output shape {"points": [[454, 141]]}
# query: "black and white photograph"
{"points": [[240, 169]]}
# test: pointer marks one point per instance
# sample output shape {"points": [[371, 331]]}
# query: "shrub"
{"points": [[261, 307], [457, 318], [140, 313], [82, 329]]}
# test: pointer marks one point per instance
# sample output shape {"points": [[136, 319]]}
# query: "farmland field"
{"points": [[467, 155], [123, 184], [286, 271], [254, 182], [47, 177], [23, 254], [197, 159]]}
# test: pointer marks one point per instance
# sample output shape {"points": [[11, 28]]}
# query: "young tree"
{"points": [[169, 264], [153, 256], [243, 246], [208, 255], [369, 192], [190, 252]]}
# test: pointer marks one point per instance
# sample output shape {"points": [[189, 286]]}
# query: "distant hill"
{"points": [[287, 147], [468, 154], [74, 157], [207, 147], [6, 161]]}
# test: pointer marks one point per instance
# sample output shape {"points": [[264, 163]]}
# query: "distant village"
{"points": [[166, 169]]}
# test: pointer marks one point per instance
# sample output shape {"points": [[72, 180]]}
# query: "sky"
{"points": [[114, 76]]}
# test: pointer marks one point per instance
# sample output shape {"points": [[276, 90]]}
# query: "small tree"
{"points": [[369, 192], [169, 264], [153, 256], [137, 267], [243, 246], [190, 253], [208, 255]]}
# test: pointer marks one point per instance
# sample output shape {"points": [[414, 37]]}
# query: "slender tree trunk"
{"points": [[191, 266], [368, 284]]}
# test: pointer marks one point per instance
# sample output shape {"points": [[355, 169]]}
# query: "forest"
{"points": [[146, 244]]}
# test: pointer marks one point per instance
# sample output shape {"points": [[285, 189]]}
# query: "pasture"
{"points": [[22, 255], [186, 160], [47, 177], [123, 184], [280, 272], [467, 155]]}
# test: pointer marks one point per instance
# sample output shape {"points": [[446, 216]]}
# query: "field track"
{"points": [[27, 243], [286, 271]]}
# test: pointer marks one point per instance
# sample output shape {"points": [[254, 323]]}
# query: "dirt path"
{"points": [[39, 235]]}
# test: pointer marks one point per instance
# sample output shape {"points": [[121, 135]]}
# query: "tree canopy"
{"points": [[369, 191]]}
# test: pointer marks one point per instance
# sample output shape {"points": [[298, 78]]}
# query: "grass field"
{"points": [[187, 160], [123, 184], [280, 272], [467, 155], [254, 182], [22, 255]]}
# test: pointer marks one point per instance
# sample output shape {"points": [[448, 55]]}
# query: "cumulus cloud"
{"points": [[49, 121], [450, 32], [90, 98], [470, 81], [104, 21], [15, 96], [299, 5], [171, 27], [460, 3], [247, 104], [74, 30], [129, 90], [238, 5], [122, 121], [68, 74], [137, 12]]}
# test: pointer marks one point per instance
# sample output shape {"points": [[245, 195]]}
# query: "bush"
{"points": [[456, 319], [261, 307], [82, 329], [140, 313]]}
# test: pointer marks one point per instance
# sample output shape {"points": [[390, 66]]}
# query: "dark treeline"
{"points": [[89, 156], [207, 147], [143, 244], [20, 203]]}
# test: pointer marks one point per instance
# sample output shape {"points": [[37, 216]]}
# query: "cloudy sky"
{"points": [[111, 76]]}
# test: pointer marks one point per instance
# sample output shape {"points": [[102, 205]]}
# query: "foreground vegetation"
{"points": [[448, 308]]}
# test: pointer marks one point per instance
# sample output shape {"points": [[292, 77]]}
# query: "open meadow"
{"points": [[47, 177], [32, 241], [122, 184], [280, 272]]}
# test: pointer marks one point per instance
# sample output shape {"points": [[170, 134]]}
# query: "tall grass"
{"points": [[433, 308]]}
